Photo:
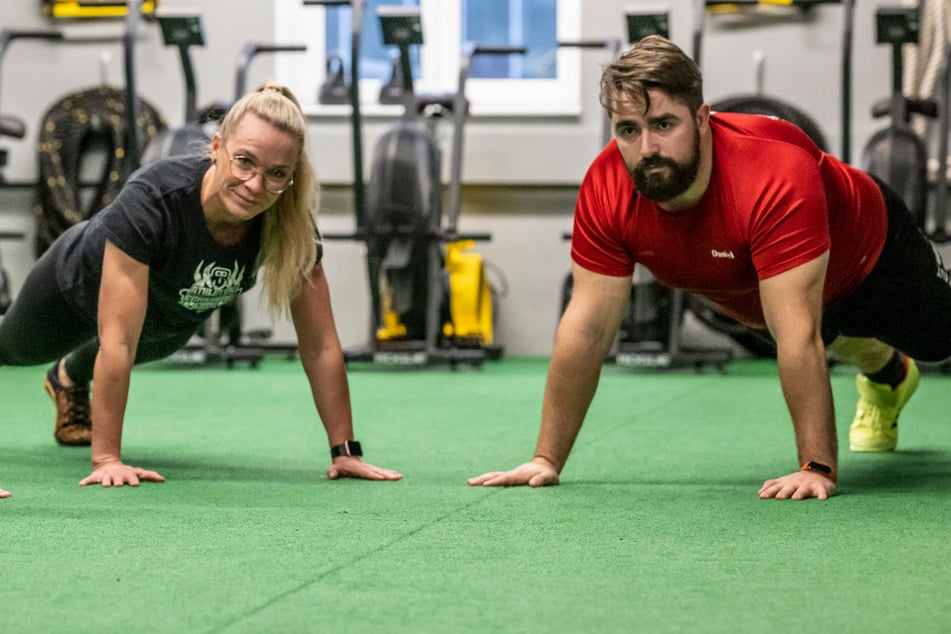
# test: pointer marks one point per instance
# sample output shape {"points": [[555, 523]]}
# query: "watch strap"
{"points": [[346, 448], [819, 468]]}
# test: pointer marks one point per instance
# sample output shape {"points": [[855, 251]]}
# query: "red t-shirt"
{"points": [[775, 201]]}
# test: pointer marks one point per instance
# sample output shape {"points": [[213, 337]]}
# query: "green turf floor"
{"points": [[656, 527]]}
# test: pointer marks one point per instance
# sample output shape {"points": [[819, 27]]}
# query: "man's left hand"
{"points": [[353, 467], [800, 485]]}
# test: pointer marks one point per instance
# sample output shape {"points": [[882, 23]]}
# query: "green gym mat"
{"points": [[656, 527]]}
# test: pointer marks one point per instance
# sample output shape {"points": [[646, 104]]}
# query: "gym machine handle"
{"points": [[613, 44], [483, 49], [460, 111], [455, 236], [250, 50], [925, 107], [7, 35], [356, 24], [12, 127]]}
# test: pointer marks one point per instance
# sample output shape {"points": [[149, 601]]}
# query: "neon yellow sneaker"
{"points": [[875, 427]]}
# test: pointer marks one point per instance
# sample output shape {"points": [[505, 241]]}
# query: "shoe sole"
{"points": [[871, 448]]}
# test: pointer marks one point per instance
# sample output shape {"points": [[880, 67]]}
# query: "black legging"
{"points": [[40, 327]]}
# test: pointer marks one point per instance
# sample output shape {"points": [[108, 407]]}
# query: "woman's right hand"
{"points": [[117, 474]]}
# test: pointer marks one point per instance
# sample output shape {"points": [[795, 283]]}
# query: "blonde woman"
{"points": [[185, 236]]}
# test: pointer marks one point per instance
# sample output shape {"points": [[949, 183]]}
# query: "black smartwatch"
{"points": [[348, 448], [818, 467]]}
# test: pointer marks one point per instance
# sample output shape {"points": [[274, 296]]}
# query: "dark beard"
{"points": [[660, 187]]}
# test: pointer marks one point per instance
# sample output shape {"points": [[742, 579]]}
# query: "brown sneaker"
{"points": [[73, 420]]}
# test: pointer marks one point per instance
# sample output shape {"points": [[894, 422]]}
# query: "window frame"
{"points": [[439, 61]]}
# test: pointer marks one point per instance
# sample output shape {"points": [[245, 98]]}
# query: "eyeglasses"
{"points": [[276, 180]]}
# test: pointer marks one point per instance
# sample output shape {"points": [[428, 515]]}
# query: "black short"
{"points": [[906, 299]]}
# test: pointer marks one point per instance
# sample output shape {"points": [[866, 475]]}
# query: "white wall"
{"points": [[527, 155]]}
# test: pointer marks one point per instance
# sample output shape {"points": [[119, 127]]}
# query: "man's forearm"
{"points": [[805, 381], [572, 381]]}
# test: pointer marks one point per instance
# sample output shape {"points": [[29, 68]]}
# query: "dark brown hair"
{"points": [[654, 63]]}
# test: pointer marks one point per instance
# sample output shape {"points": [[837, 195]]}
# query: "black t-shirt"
{"points": [[158, 220]]}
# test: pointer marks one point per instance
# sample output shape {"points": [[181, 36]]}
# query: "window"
{"points": [[375, 58], [531, 23], [546, 80]]}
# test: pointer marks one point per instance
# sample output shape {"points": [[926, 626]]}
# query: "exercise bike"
{"points": [[430, 299], [896, 153], [182, 31]]}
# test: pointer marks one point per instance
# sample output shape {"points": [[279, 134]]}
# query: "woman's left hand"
{"points": [[353, 467], [117, 474]]}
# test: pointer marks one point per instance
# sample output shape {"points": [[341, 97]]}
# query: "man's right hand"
{"points": [[537, 473], [4, 494]]}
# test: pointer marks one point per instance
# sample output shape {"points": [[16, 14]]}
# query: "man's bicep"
{"points": [[598, 301], [793, 298]]}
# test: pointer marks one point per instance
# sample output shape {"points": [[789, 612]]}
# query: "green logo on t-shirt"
{"points": [[214, 286]]}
